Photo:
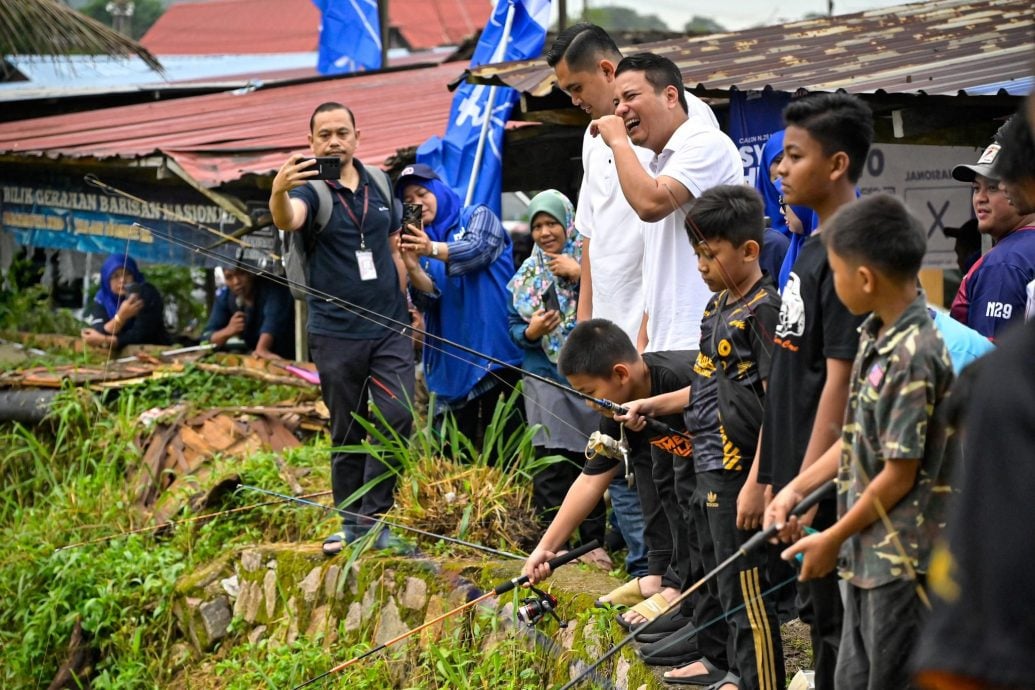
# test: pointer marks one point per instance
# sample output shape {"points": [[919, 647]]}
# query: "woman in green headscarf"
{"points": [[540, 330]]}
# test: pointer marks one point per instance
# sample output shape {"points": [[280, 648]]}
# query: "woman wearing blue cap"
{"points": [[458, 265], [127, 310]]}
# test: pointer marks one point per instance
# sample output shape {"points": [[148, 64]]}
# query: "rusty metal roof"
{"points": [[944, 47], [228, 27], [219, 138]]}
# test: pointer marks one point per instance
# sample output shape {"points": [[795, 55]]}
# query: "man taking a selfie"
{"points": [[358, 343]]}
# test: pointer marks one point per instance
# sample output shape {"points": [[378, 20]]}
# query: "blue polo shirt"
{"points": [[370, 306], [993, 293]]}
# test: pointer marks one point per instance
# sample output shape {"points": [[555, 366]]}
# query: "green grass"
{"points": [[64, 482]]}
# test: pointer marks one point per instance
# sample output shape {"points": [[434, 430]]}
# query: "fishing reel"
{"points": [[533, 609]]}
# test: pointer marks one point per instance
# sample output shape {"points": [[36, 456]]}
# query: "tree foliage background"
{"points": [[145, 13]]}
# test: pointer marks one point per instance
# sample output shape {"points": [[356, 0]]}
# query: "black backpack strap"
{"points": [[384, 186]]}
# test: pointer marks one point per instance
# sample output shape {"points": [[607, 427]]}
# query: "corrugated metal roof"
{"points": [[221, 27], [218, 138], [939, 47]]}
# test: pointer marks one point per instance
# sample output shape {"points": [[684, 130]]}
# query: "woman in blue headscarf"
{"points": [[458, 265], [794, 222], [127, 310]]}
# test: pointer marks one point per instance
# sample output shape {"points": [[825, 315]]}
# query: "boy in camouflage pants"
{"points": [[895, 455]]}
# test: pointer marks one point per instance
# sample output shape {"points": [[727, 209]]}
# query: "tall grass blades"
{"points": [[448, 486]]}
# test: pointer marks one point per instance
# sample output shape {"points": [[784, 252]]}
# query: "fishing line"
{"points": [[386, 321], [175, 523], [387, 523], [500, 589]]}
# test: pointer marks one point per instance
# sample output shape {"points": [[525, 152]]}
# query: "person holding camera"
{"points": [[356, 340], [254, 312], [459, 261], [127, 310]]}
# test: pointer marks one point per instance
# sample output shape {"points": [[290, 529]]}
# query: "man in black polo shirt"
{"points": [[354, 258]]}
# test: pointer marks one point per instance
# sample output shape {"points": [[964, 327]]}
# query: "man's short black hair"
{"points": [[879, 232], [581, 45], [1016, 159], [594, 347], [326, 108], [839, 122], [659, 72], [731, 212]]}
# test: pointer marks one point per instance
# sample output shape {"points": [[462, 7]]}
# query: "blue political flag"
{"points": [[453, 155], [350, 36]]}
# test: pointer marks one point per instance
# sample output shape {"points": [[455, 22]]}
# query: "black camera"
{"points": [[327, 168]]}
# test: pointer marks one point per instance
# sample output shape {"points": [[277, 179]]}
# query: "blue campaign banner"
{"points": [[453, 155], [64, 213], [754, 115], [350, 36]]}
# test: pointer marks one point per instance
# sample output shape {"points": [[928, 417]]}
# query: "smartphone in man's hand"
{"points": [[327, 168]]}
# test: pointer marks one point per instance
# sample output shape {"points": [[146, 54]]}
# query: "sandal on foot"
{"points": [[711, 676], [649, 609], [333, 544], [730, 679], [625, 595]]}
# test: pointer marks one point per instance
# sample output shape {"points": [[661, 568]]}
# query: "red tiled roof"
{"points": [[218, 138], [234, 27], [430, 23]]}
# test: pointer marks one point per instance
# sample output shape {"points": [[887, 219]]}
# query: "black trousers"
{"points": [[656, 533], [351, 372], [881, 629], [820, 606], [753, 632], [550, 485], [475, 415], [670, 479]]}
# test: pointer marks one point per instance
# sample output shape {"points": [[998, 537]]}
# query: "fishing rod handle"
{"points": [[652, 425], [554, 563], [804, 505]]}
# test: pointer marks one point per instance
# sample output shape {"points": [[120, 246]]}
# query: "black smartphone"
{"points": [[132, 289], [412, 216], [550, 301], [327, 168]]}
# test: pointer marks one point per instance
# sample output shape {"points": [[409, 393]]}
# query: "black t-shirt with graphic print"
{"points": [[669, 371], [813, 326], [736, 335]]}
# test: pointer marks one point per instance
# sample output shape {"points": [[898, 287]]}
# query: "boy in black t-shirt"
{"points": [[727, 393], [599, 360], [825, 145]]}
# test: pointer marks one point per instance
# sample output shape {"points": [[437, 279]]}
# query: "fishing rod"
{"points": [[759, 539], [498, 590], [653, 424], [170, 353], [349, 513], [174, 523]]}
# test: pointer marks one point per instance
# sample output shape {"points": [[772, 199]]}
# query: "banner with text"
{"points": [[922, 177], [65, 213]]}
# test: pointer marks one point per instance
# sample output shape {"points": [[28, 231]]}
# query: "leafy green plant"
{"points": [[448, 486], [29, 309]]}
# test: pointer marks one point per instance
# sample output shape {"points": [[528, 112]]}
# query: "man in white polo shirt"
{"points": [[689, 157]]}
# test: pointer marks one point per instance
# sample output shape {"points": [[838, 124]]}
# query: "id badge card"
{"points": [[365, 259]]}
